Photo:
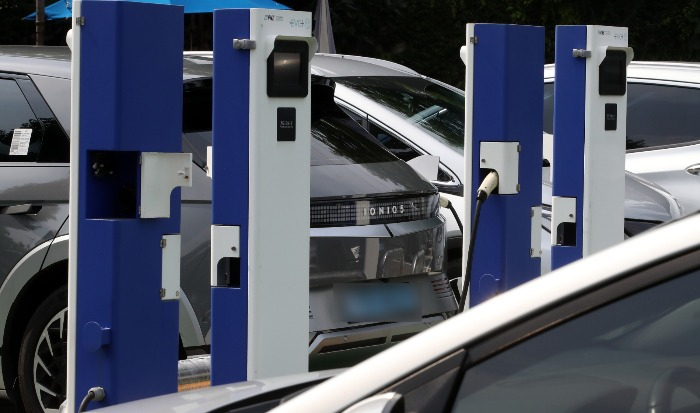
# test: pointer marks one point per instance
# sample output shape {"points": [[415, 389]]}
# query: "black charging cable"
{"points": [[96, 393], [445, 203], [487, 186]]}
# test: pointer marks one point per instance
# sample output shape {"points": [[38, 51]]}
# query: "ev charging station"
{"points": [[590, 112], [125, 201], [503, 133], [261, 192]]}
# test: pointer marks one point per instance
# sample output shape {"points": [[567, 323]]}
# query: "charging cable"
{"points": [[96, 393], [487, 186], [445, 203]]}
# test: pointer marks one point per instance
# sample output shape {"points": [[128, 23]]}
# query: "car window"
{"points": [[21, 132], [637, 354], [437, 110], [395, 145], [336, 138], [548, 113], [659, 115]]}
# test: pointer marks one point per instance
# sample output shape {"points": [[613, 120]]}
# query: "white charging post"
{"points": [[261, 192], [590, 115]]}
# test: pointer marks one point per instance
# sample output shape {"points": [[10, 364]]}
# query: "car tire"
{"points": [[42, 357]]}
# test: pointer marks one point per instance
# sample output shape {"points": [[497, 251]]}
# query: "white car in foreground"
{"points": [[615, 332]]}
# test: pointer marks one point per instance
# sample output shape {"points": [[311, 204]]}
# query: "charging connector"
{"points": [[445, 203], [488, 185], [96, 393]]}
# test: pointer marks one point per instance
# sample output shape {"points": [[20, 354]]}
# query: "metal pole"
{"points": [[40, 18]]}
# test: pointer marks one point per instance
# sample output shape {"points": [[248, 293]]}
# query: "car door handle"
{"points": [[693, 169], [22, 209]]}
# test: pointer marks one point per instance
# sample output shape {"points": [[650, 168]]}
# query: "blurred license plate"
{"points": [[374, 302]]}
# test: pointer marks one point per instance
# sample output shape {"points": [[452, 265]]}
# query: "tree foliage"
{"points": [[426, 35]]}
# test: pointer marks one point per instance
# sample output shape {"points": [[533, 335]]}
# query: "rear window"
{"points": [[660, 115], [20, 130], [436, 109], [335, 138], [657, 115]]}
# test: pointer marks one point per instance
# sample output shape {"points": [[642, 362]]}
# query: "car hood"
{"points": [[364, 180], [644, 200]]}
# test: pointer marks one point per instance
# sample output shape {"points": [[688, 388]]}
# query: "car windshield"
{"points": [[436, 109], [336, 139], [622, 357]]}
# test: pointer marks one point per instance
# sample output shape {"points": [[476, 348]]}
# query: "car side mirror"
{"points": [[381, 403]]}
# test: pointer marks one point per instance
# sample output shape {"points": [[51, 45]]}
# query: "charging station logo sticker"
{"points": [[20, 142], [273, 18], [300, 23]]}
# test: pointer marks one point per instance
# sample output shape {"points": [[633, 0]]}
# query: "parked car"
{"points": [[614, 332], [413, 115], [663, 134], [350, 172]]}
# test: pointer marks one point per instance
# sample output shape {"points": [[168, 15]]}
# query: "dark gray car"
{"points": [[353, 180]]}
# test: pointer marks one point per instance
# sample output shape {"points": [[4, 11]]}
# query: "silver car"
{"points": [[663, 132]]}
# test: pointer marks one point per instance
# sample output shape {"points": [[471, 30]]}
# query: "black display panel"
{"points": [[613, 74], [286, 124], [288, 69]]}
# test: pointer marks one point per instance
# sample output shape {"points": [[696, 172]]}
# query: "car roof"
{"points": [[33, 60], [500, 313], [339, 65], [55, 61], [685, 72]]}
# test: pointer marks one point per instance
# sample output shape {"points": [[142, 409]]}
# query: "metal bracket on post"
{"points": [[243, 44], [502, 157], [582, 53], [160, 174], [563, 213], [536, 232], [170, 272]]}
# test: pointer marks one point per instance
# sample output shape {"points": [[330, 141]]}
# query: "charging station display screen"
{"points": [[613, 74], [288, 69]]}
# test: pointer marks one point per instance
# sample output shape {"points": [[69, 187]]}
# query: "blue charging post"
{"points": [[260, 193], [503, 111], [590, 111], [125, 215]]}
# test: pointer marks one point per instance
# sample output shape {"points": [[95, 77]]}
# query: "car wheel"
{"points": [[42, 357]]}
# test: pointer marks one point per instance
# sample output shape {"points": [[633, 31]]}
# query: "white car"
{"points": [[614, 332], [663, 132]]}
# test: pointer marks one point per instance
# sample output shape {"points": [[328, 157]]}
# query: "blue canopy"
{"points": [[62, 8]]}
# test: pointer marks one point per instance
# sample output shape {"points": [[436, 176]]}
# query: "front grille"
{"points": [[368, 212]]}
